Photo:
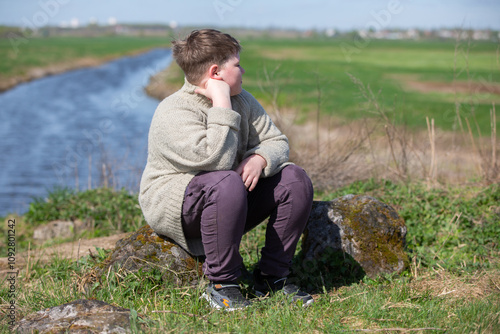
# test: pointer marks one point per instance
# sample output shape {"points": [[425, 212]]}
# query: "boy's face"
{"points": [[231, 72]]}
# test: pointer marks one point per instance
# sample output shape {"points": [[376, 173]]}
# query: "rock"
{"points": [[354, 235], [80, 316], [59, 229], [145, 250]]}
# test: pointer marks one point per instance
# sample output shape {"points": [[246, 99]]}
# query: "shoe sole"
{"points": [[306, 304], [260, 294], [309, 302], [214, 304]]}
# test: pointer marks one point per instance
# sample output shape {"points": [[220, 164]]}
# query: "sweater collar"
{"points": [[190, 89]]}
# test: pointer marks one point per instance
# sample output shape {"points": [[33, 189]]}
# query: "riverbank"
{"points": [[319, 119], [35, 73], [7, 83], [82, 125], [61, 54], [452, 230], [165, 82]]}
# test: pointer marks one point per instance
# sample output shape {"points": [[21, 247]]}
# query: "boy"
{"points": [[217, 167]]}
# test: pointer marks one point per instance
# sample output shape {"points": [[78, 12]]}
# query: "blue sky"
{"points": [[315, 14]]}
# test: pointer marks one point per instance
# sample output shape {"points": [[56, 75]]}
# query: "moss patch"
{"points": [[145, 251]]}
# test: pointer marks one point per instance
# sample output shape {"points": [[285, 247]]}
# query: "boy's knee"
{"points": [[298, 179], [294, 173], [232, 178], [230, 184]]}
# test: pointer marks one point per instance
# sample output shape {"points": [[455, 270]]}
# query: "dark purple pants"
{"points": [[218, 208]]}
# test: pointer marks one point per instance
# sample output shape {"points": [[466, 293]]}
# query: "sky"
{"points": [[295, 14]]}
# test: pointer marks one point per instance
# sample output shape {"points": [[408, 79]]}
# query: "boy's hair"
{"points": [[201, 49]]}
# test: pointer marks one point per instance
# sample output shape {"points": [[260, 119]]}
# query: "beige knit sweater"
{"points": [[187, 136]]}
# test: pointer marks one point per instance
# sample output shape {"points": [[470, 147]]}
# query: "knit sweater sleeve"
{"points": [[191, 140], [265, 139]]}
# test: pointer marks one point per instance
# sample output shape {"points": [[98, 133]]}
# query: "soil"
{"points": [[459, 87], [336, 153]]}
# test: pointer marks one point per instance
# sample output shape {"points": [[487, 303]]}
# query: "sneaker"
{"points": [[225, 296], [270, 284]]}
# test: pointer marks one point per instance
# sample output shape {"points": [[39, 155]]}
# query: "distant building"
{"points": [[112, 21], [481, 35], [74, 23], [330, 32]]}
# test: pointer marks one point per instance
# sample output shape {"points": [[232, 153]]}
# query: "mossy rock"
{"points": [[145, 251], [79, 316], [356, 236]]}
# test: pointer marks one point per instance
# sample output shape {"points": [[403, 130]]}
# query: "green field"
{"points": [[18, 55], [326, 84], [304, 67]]}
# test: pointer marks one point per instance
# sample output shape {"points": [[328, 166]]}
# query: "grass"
{"points": [[306, 66], [23, 54], [401, 110], [453, 284], [105, 210], [386, 66]]}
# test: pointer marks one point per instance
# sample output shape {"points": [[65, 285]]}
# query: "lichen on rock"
{"points": [[144, 250], [79, 316], [355, 228]]}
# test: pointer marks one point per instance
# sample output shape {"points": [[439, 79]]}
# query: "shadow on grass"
{"points": [[332, 269]]}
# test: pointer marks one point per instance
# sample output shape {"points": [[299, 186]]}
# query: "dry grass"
{"points": [[336, 153], [442, 283], [166, 82], [413, 83]]}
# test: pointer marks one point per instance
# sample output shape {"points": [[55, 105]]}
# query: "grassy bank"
{"points": [[24, 58], [453, 284]]}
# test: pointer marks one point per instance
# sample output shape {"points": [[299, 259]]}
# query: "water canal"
{"points": [[80, 129]]}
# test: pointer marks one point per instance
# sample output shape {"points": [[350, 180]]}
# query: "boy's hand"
{"points": [[218, 92], [250, 170]]}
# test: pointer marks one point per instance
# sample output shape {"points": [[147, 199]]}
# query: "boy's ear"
{"points": [[214, 72]]}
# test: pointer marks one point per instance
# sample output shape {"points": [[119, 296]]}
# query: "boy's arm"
{"points": [[218, 92], [193, 142], [250, 170], [265, 139]]}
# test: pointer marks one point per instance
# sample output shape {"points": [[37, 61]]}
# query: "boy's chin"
{"points": [[236, 91]]}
